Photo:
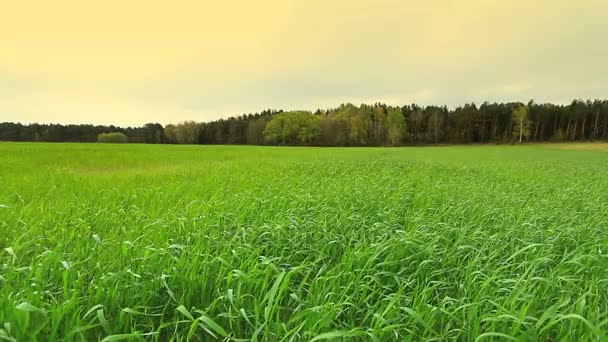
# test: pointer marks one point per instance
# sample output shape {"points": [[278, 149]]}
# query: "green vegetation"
{"points": [[185, 132], [115, 137], [292, 128], [364, 125], [522, 125], [263, 243]]}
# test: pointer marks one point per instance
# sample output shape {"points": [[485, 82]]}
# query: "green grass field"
{"points": [[270, 244]]}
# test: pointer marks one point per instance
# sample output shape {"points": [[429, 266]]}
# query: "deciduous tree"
{"points": [[521, 124]]}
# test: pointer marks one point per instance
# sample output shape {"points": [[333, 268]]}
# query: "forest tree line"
{"points": [[365, 125]]}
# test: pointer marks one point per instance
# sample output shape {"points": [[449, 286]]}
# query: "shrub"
{"points": [[114, 137], [558, 136]]}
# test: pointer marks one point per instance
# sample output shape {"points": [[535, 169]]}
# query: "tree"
{"points": [[396, 125], [364, 125], [435, 123], [152, 133], [255, 131], [291, 128], [10, 131], [113, 137], [416, 118], [340, 119], [522, 125], [187, 132], [352, 125], [171, 134]]}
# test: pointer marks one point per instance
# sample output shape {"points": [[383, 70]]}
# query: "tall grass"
{"points": [[277, 244]]}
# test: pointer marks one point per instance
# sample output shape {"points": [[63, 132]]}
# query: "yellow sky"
{"points": [[132, 62]]}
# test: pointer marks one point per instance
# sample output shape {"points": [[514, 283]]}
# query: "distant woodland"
{"points": [[350, 125]]}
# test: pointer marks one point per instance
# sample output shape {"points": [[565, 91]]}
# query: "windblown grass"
{"points": [[252, 243]]}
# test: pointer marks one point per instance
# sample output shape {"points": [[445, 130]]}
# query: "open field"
{"points": [[262, 243], [581, 146]]}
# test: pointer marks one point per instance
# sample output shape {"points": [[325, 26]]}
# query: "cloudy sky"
{"points": [[132, 62]]}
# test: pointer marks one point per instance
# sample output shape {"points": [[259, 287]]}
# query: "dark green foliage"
{"points": [[114, 137], [364, 125], [148, 134], [558, 136]]}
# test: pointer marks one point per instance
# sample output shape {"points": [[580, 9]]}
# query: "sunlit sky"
{"points": [[130, 62]]}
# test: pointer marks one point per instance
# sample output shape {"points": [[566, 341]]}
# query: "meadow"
{"points": [[162, 242]]}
